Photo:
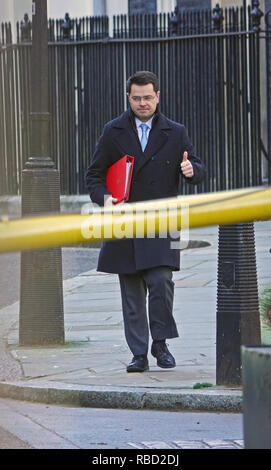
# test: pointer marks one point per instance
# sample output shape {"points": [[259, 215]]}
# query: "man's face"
{"points": [[143, 101]]}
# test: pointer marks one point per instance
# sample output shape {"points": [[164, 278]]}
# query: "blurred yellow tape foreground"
{"points": [[136, 219]]}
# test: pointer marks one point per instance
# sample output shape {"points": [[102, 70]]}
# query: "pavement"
{"points": [[89, 370]]}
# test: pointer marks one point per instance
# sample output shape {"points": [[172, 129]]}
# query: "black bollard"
{"points": [[238, 319], [41, 319]]}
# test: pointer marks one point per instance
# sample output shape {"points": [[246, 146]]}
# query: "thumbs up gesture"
{"points": [[186, 166]]}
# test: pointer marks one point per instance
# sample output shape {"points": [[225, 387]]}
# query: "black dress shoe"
{"points": [[138, 364], [164, 358]]}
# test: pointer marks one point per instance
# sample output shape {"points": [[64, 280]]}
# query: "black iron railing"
{"points": [[208, 63]]}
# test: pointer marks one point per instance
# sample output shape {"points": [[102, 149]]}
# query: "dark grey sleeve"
{"points": [[198, 167], [96, 173]]}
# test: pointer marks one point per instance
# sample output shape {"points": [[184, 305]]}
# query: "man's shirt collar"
{"points": [[148, 123]]}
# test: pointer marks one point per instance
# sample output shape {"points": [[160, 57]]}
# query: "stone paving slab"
{"points": [[196, 444]]}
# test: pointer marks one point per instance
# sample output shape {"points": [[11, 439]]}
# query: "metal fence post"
{"points": [[41, 319], [238, 319]]}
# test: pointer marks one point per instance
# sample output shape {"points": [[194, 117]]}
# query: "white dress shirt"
{"points": [[139, 130]]}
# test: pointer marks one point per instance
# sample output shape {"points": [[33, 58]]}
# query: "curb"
{"points": [[218, 400]]}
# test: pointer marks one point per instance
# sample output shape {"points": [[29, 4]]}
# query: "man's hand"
{"points": [[110, 201], [186, 166]]}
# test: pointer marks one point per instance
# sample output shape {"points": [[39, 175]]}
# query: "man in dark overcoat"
{"points": [[162, 153]]}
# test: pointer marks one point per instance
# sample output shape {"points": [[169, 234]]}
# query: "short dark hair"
{"points": [[143, 77]]}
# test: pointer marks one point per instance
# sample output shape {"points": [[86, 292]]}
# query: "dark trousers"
{"points": [[157, 282]]}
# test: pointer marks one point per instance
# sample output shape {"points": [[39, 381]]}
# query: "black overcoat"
{"points": [[156, 175]]}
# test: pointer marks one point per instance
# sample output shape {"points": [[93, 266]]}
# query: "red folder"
{"points": [[118, 178]]}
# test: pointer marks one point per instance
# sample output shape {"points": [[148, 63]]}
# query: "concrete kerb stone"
{"points": [[216, 400], [80, 396]]}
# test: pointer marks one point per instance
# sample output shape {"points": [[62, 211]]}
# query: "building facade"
{"points": [[14, 10]]}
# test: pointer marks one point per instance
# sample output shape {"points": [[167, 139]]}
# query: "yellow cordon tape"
{"points": [[136, 219]]}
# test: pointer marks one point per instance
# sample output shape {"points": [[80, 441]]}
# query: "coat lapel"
{"points": [[127, 138], [158, 137]]}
